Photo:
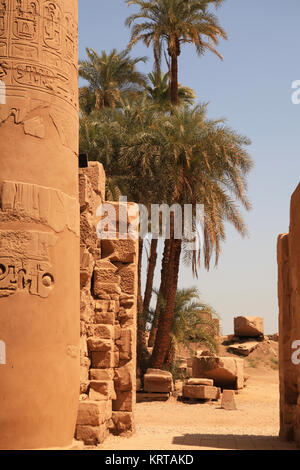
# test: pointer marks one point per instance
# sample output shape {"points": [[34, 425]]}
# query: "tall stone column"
{"points": [[39, 223]]}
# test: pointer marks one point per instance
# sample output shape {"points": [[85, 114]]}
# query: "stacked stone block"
{"points": [[108, 320]]}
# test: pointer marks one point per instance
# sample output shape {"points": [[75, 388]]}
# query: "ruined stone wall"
{"points": [[108, 320], [289, 323]]}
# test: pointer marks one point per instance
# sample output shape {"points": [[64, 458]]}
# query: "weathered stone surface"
{"points": [[102, 390], [194, 381], [243, 349], [124, 377], [228, 400], [226, 372], [128, 279], [250, 327], [119, 250], [288, 255], [101, 374], [108, 318], [103, 360], [203, 392], [91, 435], [99, 344], [39, 223], [94, 413], [156, 380], [104, 331], [106, 290], [96, 174], [124, 401], [123, 422], [125, 345]]}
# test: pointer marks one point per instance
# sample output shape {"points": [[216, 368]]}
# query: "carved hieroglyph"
{"points": [[38, 49], [25, 263], [39, 223]]}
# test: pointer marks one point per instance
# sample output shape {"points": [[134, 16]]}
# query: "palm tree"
{"points": [[172, 23], [210, 166], [158, 91], [111, 77], [193, 324]]}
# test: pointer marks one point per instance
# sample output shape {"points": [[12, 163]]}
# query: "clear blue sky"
{"points": [[252, 89]]}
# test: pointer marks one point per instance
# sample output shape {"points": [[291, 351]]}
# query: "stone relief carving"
{"points": [[39, 56], [26, 275], [25, 263], [45, 205], [52, 25], [3, 18], [25, 19]]}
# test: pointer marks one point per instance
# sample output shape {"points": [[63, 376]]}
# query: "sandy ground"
{"points": [[174, 425]]}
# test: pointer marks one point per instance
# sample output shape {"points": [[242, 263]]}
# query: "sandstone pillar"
{"points": [[289, 324], [39, 226]]}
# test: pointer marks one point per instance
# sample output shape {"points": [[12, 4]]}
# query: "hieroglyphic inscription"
{"points": [[25, 262], [25, 21], [29, 276], [52, 25], [3, 18], [70, 35], [40, 52]]}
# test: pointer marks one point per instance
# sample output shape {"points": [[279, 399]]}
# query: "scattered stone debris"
{"points": [[243, 349], [158, 381], [250, 327], [201, 392], [195, 381], [226, 372], [228, 400]]}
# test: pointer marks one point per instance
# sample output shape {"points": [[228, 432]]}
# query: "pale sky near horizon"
{"points": [[252, 89]]}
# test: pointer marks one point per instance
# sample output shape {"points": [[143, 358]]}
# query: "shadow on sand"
{"points": [[233, 442]]}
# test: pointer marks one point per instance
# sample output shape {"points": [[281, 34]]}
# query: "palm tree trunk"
{"points": [[141, 332], [98, 100], [170, 358], [162, 291], [150, 274], [166, 317], [174, 79]]}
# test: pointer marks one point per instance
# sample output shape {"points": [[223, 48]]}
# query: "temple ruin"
{"points": [[59, 350], [39, 223], [108, 279], [289, 324]]}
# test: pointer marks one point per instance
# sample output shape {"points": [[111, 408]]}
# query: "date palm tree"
{"points": [[111, 77], [173, 23], [158, 91], [193, 324], [210, 167]]}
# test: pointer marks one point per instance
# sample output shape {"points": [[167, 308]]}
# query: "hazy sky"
{"points": [[252, 89]]}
